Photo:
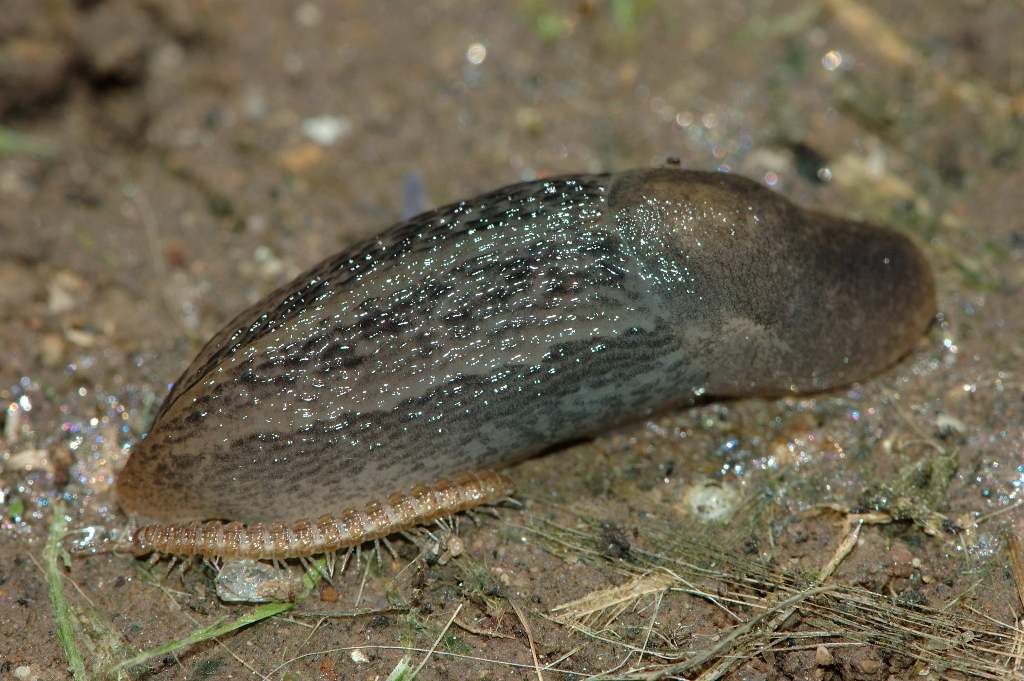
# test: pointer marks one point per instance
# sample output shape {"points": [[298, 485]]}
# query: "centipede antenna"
{"points": [[88, 546]]}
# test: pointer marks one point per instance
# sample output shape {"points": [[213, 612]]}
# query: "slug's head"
{"points": [[779, 299]]}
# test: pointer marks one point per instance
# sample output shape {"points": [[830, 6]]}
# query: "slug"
{"points": [[337, 409]]}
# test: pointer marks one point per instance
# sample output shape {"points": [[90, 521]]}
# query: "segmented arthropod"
{"points": [[422, 505]]}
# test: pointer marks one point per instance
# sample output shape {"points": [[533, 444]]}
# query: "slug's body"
{"points": [[486, 331]]}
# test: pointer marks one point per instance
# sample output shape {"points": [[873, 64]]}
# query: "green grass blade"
{"points": [[403, 671], [55, 581], [206, 633], [14, 143]]}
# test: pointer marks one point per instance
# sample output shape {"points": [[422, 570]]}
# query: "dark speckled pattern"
{"points": [[491, 329]]}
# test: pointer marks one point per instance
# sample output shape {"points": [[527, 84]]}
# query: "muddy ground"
{"points": [[163, 164]]}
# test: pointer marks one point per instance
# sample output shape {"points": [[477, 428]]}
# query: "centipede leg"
{"points": [[331, 557], [344, 561], [422, 552], [312, 566], [390, 548], [414, 536], [362, 585]]}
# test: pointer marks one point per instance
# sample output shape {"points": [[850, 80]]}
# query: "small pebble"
{"points": [[709, 500], [823, 658], [328, 594], [308, 15], [115, 38], [65, 291], [254, 104], [326, 130], [29, 460], [51, 350], [18, 288], [947, 424], [359, 656], [301, 158], [250, 581], [869, 666]]}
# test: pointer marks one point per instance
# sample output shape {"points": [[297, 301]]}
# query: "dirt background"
{"points": [[164, 164]]}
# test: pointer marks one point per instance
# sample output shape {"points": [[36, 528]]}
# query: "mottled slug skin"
{"points": [[483, 332]]}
